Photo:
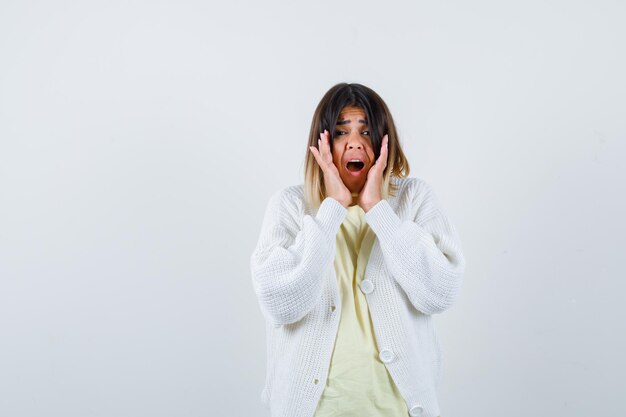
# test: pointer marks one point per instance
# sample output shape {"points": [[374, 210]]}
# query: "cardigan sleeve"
{"points": [[289, 261], [422, 253]]}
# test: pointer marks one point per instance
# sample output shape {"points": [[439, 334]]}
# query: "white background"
{"points": [[141, 140]]}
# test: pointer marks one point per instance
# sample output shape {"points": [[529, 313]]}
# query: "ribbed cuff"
{"points": [[383, 220], [330, 215]]}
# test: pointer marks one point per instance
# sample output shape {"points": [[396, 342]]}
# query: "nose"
{"points": [[355, 141]]}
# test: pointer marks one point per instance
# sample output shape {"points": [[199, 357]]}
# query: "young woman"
{"points": [[349, 269]]}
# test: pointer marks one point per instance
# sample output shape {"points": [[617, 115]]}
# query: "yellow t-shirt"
{"points": [[358, 382]]}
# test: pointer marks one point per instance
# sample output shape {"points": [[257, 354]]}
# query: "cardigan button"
{"points": [[386, 355], [367, 286], [416, 410]]}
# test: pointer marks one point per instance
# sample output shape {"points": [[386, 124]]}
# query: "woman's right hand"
{"points": [[335, 187]]}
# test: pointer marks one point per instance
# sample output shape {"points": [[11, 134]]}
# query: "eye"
{"points": [[366, 132], [339, 132]]}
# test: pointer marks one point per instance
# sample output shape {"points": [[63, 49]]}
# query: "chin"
{"points": [[354, 184]]}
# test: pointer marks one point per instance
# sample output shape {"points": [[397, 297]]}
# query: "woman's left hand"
{"points": [[371, 193]]}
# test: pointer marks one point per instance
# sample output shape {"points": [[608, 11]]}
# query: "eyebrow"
{"points": [[345, 122]]}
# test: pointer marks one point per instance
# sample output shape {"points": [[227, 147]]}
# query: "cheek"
{"points": [[371, 154], [336, 155]]}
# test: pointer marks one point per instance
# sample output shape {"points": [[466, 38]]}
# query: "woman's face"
{"points": [[352, 142]]}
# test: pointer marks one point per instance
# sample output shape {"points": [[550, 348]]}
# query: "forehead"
{"points": [[350, 112]]}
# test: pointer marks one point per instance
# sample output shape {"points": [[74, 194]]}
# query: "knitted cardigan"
{"points": [[415, 270]]}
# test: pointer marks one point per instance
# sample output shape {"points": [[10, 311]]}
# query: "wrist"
{"points": [[368, 206]]}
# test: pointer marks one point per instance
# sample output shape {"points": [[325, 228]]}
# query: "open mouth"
{"points": [[355, 165]]}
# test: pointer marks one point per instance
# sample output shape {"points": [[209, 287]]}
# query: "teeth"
{"points": [[355, 160]]}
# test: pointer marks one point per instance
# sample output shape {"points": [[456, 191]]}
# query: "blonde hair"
{"points": [[380, 123]]}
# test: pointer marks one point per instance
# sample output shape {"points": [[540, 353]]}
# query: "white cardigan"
{"points": [[415, 269]]}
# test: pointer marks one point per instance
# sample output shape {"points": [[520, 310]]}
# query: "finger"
{"points": [[381, 162], [319, 157], [384, 149], [316, 155], [326, 146]]}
